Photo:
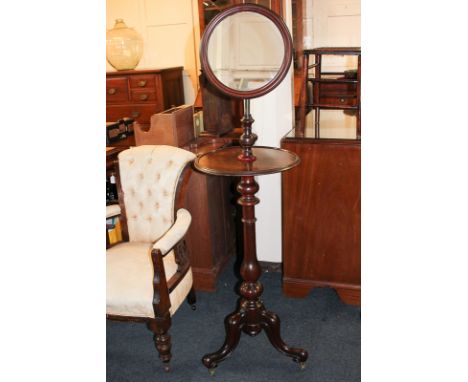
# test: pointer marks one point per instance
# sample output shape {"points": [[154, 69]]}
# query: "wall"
{"points": [[333, 23], [171, 34]]}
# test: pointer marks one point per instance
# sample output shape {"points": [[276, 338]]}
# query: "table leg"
{"points": [[251, 316]]}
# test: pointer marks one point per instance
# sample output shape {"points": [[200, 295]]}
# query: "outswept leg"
{"points": [[251, 315], [271, 325], [233, 324]]}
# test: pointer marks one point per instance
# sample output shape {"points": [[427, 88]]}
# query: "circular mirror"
{"points": [[246, 51]]}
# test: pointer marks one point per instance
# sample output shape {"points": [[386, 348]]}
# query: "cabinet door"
{"points": [[139, 112]]}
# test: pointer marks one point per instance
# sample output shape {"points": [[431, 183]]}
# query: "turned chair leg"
{"points": [[192, 299], [162, 339]]}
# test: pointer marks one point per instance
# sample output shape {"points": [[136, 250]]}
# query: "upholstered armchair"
{"points": [[148, 274]]}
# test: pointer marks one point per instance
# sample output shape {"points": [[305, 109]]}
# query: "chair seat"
{"points": [[130, 280]]}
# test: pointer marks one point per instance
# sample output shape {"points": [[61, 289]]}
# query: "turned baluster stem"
{"points": [[247, 139], [250, 269], [250, 289]]}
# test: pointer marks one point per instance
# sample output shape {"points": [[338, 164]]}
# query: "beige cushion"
{"points": [[130, 280], [149, 177]]}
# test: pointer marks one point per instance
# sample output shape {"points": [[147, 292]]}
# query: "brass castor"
{"points": [[167, 367], [193, 306], [302, 365], [212, 371]]}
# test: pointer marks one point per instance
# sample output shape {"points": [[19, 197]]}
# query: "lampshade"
{"points": [[124, 46]]}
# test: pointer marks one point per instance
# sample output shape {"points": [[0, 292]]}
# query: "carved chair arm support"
{"points": [[170, 240]]}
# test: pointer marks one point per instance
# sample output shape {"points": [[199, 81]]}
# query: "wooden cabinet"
{"points": [[331, 90], [211, 238], [322, 218], [139, 94]]}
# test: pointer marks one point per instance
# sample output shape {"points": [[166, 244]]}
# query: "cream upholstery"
{"points": [[178, 230], [130, 280], [148, 177], [149, 196]]}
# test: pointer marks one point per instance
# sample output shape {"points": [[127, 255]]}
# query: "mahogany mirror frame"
{"points": [[287, 57]]}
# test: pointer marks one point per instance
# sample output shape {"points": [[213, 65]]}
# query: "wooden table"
{"points": [[251, 315]]}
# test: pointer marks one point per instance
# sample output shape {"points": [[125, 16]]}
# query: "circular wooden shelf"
{"points": [[224, 161]]}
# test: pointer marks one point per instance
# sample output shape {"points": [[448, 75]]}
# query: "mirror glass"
{"points": [[245, 51]]}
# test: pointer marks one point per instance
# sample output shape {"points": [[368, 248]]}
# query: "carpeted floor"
{"points": [[328, 329]]}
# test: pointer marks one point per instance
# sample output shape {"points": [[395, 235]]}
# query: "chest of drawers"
{"points": [[139, 94]]}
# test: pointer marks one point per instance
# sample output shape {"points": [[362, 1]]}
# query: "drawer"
{"points": [[336, 94], [143, 95], [339, 101], [141, 113], [337, 89], [142, 81], [116, 89]]}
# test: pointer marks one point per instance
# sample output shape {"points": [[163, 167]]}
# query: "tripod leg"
{"points": [[271, 325], [233, 324]]}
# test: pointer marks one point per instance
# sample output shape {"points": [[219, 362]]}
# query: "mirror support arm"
{"points": [[247, 139]]}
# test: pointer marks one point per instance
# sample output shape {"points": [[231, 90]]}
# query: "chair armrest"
{"points": [[175, 233], [112, 210]]}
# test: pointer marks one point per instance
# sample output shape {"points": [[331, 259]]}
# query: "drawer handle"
{"points": [[142, 83], [143, 97], [342, 100], [135, 114], [112, 91]]}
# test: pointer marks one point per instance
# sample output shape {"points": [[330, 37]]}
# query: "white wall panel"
{"points": [[166, 12], [336, 23]]}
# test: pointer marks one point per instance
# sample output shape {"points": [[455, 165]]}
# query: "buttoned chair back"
{"points": [[149, 176], [149, 274]]}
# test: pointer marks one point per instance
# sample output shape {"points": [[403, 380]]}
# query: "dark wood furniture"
{"points": [[124, 143], [120, 133], [247, 161], [322, 217], [162, 287], [172, 127], [139, 94], [212, 235], [298, 31], [330, 90], [111, 156], [251, 316]]}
